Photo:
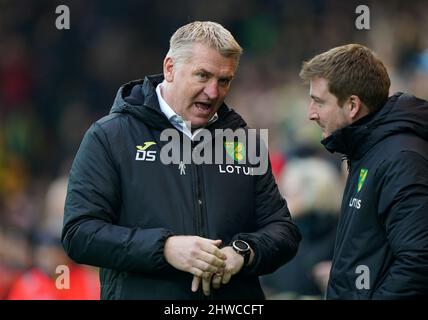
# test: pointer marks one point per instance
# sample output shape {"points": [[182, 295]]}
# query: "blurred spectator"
{"points": [[15, 257], [42, 281], [313, 190]]}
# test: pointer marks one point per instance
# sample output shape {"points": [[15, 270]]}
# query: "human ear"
{"points": [[355, 106], [168, 69]]}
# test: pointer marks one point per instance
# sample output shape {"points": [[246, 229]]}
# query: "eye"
{"points": [[202, 76], [224, 82], [318, 102]]}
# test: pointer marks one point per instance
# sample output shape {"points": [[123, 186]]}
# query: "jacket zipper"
{"points": [[200, 198], [200, 202]]}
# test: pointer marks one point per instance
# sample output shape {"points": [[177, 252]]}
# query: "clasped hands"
{"points": [[203, 258]]}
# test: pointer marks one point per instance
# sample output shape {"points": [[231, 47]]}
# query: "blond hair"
{"points": [[351, 69], [311, 185], [206, 32]]}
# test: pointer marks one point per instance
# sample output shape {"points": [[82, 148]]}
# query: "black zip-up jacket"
{"points": [[123, 203], [381, 249]]}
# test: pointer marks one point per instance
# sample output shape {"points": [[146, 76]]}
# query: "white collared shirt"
{"points": [[176, 120]]}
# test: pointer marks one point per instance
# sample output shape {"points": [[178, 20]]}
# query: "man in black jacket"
{"points": [[381, 249], [163, 230]]}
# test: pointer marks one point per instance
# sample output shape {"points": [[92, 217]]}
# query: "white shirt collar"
{"points": [[176, 120]]}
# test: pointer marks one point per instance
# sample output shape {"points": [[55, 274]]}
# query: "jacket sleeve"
{"points": [[90, 233], [277, 238], [403, 207]]}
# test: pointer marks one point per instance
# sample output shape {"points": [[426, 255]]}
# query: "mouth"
{"points": [[204, 107]]}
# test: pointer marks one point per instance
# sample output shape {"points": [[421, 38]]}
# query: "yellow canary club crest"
{"points": [[146, 145], [362, 178], [235, 150]]}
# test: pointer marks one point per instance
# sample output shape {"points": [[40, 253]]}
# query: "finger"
{"points": [[213, 249], [205, 267], [217, 242], [217, 280], [211, 259], [206, 283], [195, 283], [196, 272], [226, 277]]}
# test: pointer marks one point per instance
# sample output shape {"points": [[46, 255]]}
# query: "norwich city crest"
{"points": [[235, 150], [362, 178]]}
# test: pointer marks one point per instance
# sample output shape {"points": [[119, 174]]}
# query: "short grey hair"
{"points": [[206, 32]]}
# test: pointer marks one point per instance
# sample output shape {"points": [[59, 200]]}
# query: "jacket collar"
{"points": [[139, 98], [358, 138]]}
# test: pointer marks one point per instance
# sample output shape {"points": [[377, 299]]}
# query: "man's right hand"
{"points": [[198, 256]]}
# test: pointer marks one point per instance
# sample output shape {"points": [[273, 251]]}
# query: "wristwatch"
{"points": [[243, 248]]}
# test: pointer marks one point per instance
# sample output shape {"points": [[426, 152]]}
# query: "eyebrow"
{"points": [[226, 77], [202, 70], [316, 98]]}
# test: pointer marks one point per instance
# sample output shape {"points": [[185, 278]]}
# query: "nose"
{"points": [[211, 90], [312, 112]]}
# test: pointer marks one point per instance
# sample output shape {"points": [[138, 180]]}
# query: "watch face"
{"points": [[241, 245]]}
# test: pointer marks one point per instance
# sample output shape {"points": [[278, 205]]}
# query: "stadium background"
{"points": [[55, 83]]}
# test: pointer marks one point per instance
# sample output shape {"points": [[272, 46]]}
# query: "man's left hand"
{"points": [[234, 263]]}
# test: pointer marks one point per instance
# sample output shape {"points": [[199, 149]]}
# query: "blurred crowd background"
{"points": [[55, 83]]}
